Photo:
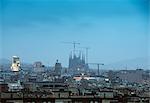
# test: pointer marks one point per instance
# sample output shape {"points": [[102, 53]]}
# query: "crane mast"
{"points": [[98, 64]]}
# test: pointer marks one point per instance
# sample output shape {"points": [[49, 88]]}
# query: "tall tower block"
{"points": [[15, 66]]}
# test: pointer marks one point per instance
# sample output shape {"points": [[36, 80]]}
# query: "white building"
{"points": [[14, 87], [15, 66]]}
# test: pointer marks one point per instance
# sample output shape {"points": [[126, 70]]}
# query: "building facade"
{"points": [[58, 68], [77, 63], [38, 67]]}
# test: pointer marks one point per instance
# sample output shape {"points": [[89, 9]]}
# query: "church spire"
{"points": [[83, 58], [79, 54], [70, 56]]}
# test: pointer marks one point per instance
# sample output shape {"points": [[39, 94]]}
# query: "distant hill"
{"points": [[5, 62], [137, 63]]}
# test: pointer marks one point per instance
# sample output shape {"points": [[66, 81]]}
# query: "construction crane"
{"points": [[74, 45], [98, 64], [86, 51]]}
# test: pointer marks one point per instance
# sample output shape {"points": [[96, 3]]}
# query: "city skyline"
{"points": [[35, 29]]}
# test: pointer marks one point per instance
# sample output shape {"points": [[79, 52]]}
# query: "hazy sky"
{"points": [[35, 29]]}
